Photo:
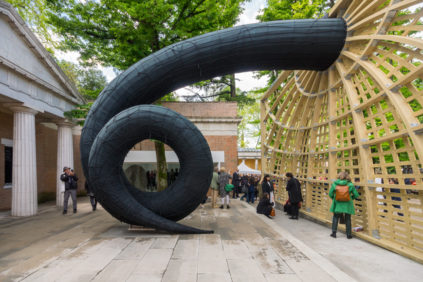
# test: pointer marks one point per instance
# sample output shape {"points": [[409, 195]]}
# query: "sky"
{"points": [[245, 81]]}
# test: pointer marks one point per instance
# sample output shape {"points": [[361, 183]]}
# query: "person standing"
{"points": [[214, 185], [70, 179], [266, 186], [294, 193], [90, 193], [251, 190], [223, 180], [236, 181], [342, 192]]}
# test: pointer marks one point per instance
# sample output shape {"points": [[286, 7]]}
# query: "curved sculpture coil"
{"points": [[115, 122]]}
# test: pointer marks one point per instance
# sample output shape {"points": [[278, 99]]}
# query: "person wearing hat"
{"points": [[70, 179]]}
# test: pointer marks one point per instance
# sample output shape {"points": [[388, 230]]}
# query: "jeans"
{"points": [[68, 193], [244, 196], [250, 197], [335, 220], [93, 201], [235, 192]]}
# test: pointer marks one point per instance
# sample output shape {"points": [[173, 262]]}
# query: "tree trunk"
{"points": [[161, 166], [233, 86]]}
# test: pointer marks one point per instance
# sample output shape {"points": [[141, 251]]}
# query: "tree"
{"points": [[120, 33], [90, 82], [294, 9], [275, 10]]}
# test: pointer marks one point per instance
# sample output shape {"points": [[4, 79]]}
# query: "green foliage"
{"points": [[249, 127], [35, 13], [294, 9], [90, 82], [287, 10], [120, 33]]}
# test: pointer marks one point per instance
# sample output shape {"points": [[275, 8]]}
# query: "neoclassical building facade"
{"points": [[36, 141]]}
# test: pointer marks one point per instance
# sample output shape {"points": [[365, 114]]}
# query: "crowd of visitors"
{"points": [[223, 184], [151, 176]]}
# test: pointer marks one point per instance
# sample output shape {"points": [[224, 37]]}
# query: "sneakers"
{"points": [[349, 236], [228, 207], [333, 235], [65, 212], [221, 207], [269, 216], [294, 217], [74, 211]]}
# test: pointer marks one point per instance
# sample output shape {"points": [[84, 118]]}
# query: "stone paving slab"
{"points": [[92, 246]]}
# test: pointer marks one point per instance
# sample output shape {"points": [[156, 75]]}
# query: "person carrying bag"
{"points": [[342, 192]]}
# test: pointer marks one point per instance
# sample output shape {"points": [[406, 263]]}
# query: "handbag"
{"points": [[229, 187], [273, 212]]}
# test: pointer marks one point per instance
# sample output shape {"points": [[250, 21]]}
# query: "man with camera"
{"points": [[70, 179]]}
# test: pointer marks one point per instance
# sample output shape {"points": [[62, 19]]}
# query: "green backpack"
{"points": [[229, 187]]}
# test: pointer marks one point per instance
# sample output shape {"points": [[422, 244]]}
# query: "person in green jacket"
{"points": [[338, 208], [214, 185]]}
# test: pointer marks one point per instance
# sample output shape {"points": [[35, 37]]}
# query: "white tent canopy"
{"points": [[244, 169]]}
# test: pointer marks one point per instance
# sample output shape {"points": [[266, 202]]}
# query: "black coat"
{"points": [[294, 191], [236, 180], [264, 206], [70, 181], [266, 187]]}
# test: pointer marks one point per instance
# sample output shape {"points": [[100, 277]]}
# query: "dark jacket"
{"points": [[236, 180], [70, 181], [264, 206], [266, 187], [294, 191]]}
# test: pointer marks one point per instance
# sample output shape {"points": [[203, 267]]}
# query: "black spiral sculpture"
{"points": [[119, 118]]}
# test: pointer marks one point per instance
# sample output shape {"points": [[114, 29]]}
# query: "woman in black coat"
{"points": [[264, 206], [267, 187], [294, 193]]}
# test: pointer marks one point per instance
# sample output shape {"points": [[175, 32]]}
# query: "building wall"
{"points": [[46, 147], [6, 131], [251, 163], [205, 109], [222, 116]]}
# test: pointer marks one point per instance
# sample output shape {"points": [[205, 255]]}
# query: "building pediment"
{"points": [[28, 73]]}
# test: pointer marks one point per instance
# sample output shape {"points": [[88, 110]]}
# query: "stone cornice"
{"points": [[19, 107], [21, 27], [37, 80]]}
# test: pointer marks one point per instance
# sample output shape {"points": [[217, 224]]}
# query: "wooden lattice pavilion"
{"points": [[364, 115]]}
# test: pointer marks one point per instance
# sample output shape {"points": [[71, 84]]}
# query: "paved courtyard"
{"points": [[93, 246]]}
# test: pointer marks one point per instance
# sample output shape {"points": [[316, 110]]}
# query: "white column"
{"points": [[24, 170], [256, 164], [64, 156]]}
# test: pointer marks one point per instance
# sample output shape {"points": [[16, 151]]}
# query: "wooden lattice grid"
{"points": [[363, 115]]}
